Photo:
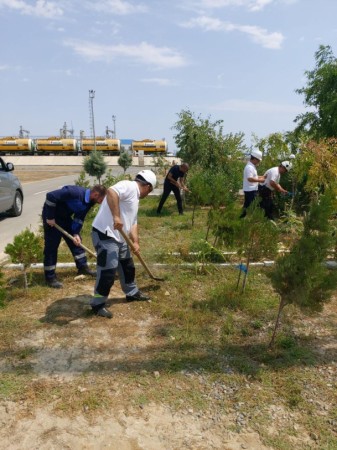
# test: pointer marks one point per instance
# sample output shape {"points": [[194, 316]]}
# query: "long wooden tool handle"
{"points": [[131, 245], [73, 239]]}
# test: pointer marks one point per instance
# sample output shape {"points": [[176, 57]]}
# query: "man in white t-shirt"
{"points": [[271, 184], [251, 180], [118, 211]]}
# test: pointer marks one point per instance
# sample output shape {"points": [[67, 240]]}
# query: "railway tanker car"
{"points": [[55, 145], [16, 146], [149, 147], [106, 145]]}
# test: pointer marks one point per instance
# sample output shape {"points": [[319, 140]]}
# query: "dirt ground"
{"points": [[76, 361], [35, 173], [63, 353]]}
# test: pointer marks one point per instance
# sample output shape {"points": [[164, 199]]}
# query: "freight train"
{"points": [[72, 146]]}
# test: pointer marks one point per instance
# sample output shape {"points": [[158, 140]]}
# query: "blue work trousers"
{"points": [[52, 239]]}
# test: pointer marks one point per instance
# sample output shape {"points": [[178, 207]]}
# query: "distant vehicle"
{"points": [[11, 192], [108, 146], [56, 145], [70, 146], [15, 145], [149, 147]]}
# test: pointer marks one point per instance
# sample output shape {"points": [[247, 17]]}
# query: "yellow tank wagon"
{"points": [[108, 146], [56, 145], [149, 147], [16, 146]]}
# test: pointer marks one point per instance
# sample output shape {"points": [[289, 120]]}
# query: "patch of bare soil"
{"points": [[77, 358], [30, 174]]}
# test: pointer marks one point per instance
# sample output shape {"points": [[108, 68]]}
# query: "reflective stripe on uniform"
{"points": [[81, 255], [49, 203]]}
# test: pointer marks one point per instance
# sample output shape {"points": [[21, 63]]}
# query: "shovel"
{"points": [[73, 239], [146, 267]]}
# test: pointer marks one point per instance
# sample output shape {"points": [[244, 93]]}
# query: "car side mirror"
{"points": [[9, 167]]}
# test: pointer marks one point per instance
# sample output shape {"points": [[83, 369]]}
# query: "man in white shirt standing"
{"points": [[251, 180], [271, 184], [118, 211]]}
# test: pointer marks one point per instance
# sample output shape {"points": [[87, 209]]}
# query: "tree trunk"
{"points": [[281, 306], [25, 278], [193, 214]]}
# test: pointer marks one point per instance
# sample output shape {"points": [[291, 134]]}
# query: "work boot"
{"points": [[100, 310], [54, 283], [137, 297], [85, 270]]}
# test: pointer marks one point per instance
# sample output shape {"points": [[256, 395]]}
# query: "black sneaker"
{"points": [[85, 270], [54, 283], [137, 297], [102, 311]]}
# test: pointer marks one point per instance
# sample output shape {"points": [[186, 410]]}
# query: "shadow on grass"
{"points": [[170, 358], [240, 360], [65, 310]]}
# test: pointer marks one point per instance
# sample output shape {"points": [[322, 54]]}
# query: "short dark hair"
{"points": [[100, 189]]}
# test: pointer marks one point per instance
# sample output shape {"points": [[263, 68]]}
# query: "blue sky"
{"points": [[235, 60]]}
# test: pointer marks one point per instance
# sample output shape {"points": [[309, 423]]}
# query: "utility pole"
{"points": [[91, 113], [114, 122]]}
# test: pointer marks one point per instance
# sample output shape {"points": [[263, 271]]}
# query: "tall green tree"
{"points": [[125, 160], [202, 142], [320, 95], [95, 165], [300, 277]]}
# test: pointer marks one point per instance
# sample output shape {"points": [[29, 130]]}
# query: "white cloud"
{"points": [[41, 8], [251, 5], [4, 67], [259, 35], [159, 81], [144, 53], [236, 105], [119, 7]]}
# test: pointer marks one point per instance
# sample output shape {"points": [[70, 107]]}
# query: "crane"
{"points": [[22, 132]]}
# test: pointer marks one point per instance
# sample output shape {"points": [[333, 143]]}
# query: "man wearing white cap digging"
{"points": [[251, 180], [271, 184], [118, 212]]}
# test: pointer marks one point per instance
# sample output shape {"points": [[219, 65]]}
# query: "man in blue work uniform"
{"points": [[67, 207], [174, 181]]}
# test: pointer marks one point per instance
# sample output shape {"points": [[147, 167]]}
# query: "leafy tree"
{"points": [[26, 250], [125, 160], [161, 165], [202, 142], [216, 161], [109, 179], [300, 277], [256, 237], [95, 165], [275, 148], [320, 95], [82, 180], [316, 166]]}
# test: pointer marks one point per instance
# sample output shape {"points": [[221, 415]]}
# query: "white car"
{"points": [[11, 192]]}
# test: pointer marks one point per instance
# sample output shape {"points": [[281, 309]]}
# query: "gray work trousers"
{"points": [[112, 257]]}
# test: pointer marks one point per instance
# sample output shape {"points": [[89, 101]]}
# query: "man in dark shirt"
{"points": [[67, 207], [174, 181]]}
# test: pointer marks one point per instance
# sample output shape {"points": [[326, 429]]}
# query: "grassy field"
{"points": [[199, 348]]}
